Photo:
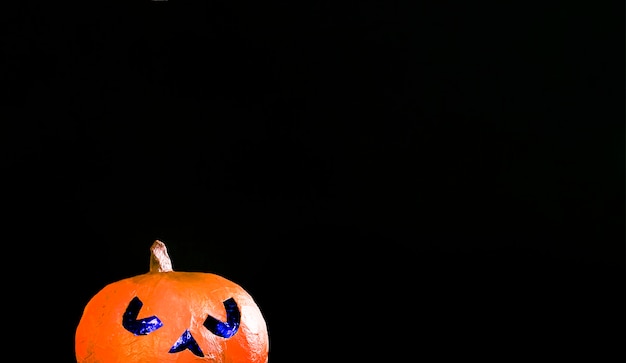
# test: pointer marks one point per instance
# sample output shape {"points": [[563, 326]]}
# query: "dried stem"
{"points": [[159, 259]]}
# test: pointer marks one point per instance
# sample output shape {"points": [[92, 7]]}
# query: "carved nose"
{"points": [[186, 341], [220, 328]]}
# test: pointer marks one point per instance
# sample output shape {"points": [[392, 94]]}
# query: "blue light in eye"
{"points": [[186, 341], [142, 326], [229, 328]]}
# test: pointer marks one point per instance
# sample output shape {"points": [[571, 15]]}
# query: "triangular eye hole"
{"points": [[228, 328], [142, 326]]}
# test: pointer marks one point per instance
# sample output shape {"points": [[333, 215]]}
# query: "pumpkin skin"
{"points": [[167, 316]]}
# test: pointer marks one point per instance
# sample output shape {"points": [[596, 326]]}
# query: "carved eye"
{"points": [[142, 326], [228, 328]]}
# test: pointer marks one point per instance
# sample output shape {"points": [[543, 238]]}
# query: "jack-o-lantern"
{"points": [[170, 316]]}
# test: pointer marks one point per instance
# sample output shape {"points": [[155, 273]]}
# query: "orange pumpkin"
{"points": [[170, 316]]}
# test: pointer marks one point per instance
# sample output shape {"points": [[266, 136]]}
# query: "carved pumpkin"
{"points": [[170, 316]]}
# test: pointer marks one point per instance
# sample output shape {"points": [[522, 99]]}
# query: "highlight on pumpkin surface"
{"points": [[172, 316]]}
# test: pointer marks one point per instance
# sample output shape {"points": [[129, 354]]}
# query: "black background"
{"points": [[393, 181]]}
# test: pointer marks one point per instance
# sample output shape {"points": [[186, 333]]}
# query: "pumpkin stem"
{"points": [[159, 259]]}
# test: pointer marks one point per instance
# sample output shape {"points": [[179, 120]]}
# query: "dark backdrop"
{"points": [[392, 181]]}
